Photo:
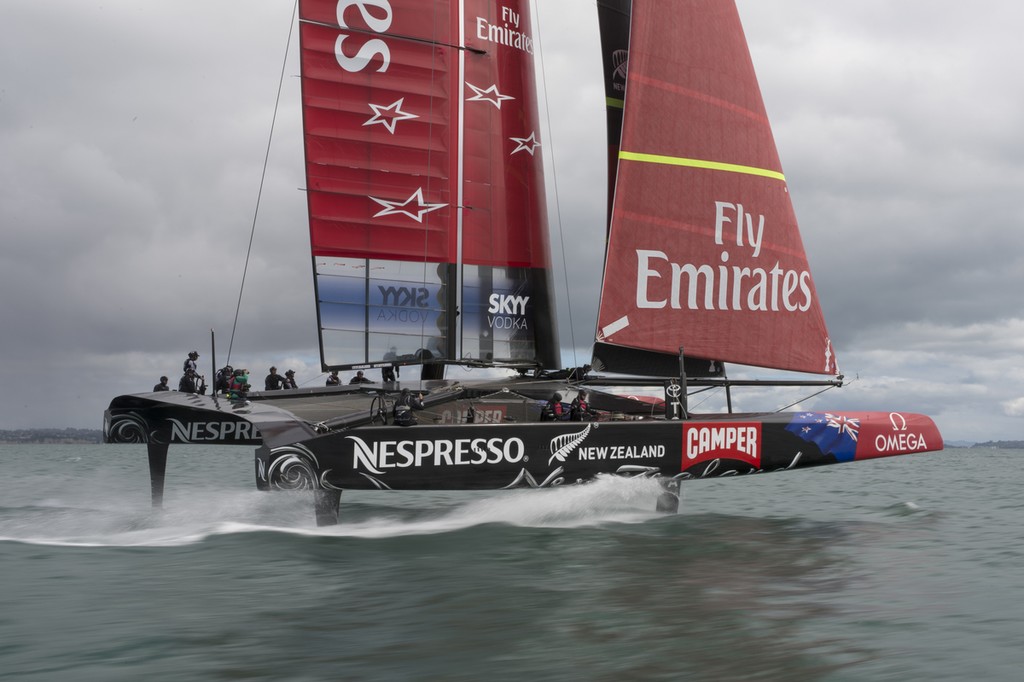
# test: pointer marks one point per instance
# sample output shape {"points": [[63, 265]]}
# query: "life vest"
{"points": [[553, 411]]}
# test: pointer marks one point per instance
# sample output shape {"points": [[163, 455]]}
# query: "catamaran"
{"points": [[429, 242]]}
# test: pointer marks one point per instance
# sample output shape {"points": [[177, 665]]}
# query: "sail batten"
{"points": [[703, 97]]}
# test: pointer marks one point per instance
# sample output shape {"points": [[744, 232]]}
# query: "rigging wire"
{"points": [[806, 397], [710, 391], [554, 181], [263, 177]]}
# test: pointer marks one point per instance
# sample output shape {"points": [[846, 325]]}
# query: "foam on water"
{"points": [[195, 516], [608, 499]]}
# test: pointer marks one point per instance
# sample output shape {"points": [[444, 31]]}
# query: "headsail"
{"points": [[704, 251], [424, 179]]}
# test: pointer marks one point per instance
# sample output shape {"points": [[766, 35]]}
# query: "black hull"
{"points": [[490, 437], [535, 455]]}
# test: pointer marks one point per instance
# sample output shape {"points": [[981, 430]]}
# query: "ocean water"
{"points": [[903, 569]]}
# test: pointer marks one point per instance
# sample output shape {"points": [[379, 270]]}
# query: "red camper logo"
{"points": [[703, 442]]}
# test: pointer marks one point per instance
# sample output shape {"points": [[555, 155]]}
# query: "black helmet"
{"points": [[557, 396]]}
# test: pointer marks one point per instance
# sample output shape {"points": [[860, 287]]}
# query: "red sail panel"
{"points": [[380, 88], [424, 179], [704, 252], [427, 21], [506, 311], [505, 220]]}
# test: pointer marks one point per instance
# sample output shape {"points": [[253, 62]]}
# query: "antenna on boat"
{"points": [[213, 358]]}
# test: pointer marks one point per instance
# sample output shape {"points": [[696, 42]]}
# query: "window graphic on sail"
{"points": [[497, 305], [391, 310], [423, 165]]}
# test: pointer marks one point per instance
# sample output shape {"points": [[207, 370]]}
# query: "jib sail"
{"points": [[704, 251]]}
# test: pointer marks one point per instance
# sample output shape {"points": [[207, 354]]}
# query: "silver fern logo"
{"points": [[620, 62], [563, 445]]}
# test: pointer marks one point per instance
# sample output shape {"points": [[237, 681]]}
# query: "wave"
{"points": [[187, 518]]}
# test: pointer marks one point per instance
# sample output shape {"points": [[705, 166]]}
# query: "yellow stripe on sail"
{"points": [[699, 163], [614, 103]]}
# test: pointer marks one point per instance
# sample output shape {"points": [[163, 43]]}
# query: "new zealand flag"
{"points": [[835, 434]]}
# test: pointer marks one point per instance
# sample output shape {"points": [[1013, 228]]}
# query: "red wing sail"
{"points": [[704, 252], [425, 193]]}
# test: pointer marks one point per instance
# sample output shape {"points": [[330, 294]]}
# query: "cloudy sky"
{"points": [[133, 135]]}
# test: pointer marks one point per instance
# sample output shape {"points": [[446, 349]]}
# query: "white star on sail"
{"points": [[389, 115], [491, 95], [526, 144], [399, 207]]}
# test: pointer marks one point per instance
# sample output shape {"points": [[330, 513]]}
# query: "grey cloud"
{"points": [[133, 138]]}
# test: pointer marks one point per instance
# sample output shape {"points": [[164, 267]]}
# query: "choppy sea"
{"points": [[903, 569]]}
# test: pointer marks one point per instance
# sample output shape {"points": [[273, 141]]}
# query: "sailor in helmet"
{"points": [[223, 380], [239, 386], [404, 406], [554, 410], [580, 409]]}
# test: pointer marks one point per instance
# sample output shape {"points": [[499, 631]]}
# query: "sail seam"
{"points": [[700, 97], [700, 163]]}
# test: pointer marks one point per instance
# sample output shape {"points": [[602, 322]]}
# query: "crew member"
{"points": [[404, 406], [239, 386], [187, 383], [579, 409], [553, 410], [274, 381], [223, 379]]}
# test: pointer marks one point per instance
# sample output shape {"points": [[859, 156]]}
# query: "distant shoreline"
{"points": [[1001, 444], [51, 436]]}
